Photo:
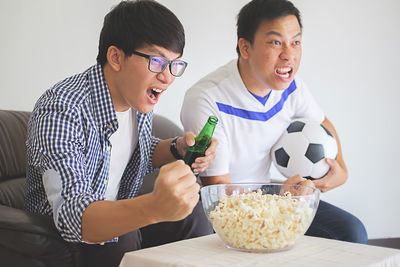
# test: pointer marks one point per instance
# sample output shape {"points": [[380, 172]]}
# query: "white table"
{"points": [[308, 251]]}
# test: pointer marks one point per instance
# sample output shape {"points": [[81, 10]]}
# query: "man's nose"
{"points": [[165, 76], [287, 53]]}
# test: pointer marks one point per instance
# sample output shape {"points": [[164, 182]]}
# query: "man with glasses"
{"points": [[157, 64], [89, 144]]}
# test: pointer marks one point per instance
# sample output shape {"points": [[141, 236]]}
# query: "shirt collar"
{"points": [[261, 99], [103, 107], [234, 66]]}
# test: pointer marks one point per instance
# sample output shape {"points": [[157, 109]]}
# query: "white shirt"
{"points": [[123, 143], [247, 129]]}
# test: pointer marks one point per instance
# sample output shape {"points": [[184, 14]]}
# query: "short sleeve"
{"points": [[305, 104], [197, 107]]}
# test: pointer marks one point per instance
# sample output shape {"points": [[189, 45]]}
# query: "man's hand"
{"points": [[175, 195], [201, 163], [298, 191], [175, 192], [334, 178]]}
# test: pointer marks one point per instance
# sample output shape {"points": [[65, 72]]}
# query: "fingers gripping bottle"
{"points": [[202, 141]]}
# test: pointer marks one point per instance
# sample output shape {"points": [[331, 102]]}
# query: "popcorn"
{"points": [[256, 221]]}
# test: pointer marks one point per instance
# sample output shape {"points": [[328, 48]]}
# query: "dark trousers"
{"points": [[110, 254], [334, 223]]}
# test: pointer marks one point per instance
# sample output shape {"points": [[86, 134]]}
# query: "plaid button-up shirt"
{"points": [[68, 151]]}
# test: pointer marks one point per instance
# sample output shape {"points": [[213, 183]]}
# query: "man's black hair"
{"points": [[255, 12], [133, 24]]}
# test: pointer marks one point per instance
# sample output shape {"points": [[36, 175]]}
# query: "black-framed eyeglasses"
{"points": [[158, 64]]}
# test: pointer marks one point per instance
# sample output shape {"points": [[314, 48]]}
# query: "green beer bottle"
{"points": [[202, 141]]}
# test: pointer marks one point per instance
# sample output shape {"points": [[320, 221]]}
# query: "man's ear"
{"points": [[115, 57], [244, 46]]}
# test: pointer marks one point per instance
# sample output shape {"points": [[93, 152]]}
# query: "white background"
{"points": [[350, 62]]}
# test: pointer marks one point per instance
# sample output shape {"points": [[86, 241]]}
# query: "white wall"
{"points": [[350, 62]]}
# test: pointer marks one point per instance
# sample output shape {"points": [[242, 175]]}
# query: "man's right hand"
{"points": [[175, 192], [175, 195]]}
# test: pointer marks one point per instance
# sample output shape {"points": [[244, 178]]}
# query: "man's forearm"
{"points": [[162, 154], [105, 220], [339, 156]]}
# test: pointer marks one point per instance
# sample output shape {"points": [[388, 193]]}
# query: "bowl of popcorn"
{"points": [[260, 217]]}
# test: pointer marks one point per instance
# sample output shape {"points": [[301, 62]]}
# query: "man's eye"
{"points": [[276, 42], [296, 43], [157, 60]]}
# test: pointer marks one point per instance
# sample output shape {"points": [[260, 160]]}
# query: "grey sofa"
{"points": [[28, 239]]}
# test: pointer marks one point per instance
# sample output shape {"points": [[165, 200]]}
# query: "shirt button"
{"points": [[108, 148], [105, 182]]}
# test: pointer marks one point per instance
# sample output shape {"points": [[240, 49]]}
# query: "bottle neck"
{"points": [[209, 127], [208, 130]]}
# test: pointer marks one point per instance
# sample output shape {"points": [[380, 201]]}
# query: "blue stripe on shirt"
{"points": [[255, 115]]}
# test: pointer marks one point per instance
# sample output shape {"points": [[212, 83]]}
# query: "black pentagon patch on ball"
{"points": [[315, 152], [282, 158], [296, 126], [326, 130]]}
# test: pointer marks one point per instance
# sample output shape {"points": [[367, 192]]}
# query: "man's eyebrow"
{"points": [[155, 50], [297, 35], [273, 33], [280, 35]]}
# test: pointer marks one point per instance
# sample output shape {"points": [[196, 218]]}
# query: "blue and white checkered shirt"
{"points": [[68, 151]]}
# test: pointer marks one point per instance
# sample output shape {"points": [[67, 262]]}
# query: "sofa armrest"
{"points": [[23, 221], [31, 235], [35, 236]]}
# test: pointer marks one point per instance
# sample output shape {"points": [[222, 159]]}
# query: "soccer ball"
{"points": [[302, 149]]}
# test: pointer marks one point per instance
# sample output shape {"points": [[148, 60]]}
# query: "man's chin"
{"points": [[147, 109], [283, 85]]}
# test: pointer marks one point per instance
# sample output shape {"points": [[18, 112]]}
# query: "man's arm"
{"points": [[174, 196], [162, 153], [338, 173], [80, 213]]}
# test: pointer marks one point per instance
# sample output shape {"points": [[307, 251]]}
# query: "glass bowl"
{"points": [[259, 217]]}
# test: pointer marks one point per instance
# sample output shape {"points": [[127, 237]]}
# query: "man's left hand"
{"points": [[335, 177], [201, 163]]}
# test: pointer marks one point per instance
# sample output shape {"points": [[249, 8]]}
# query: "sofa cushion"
{"points": [[13, 133], [12, 193], [33, 239]]}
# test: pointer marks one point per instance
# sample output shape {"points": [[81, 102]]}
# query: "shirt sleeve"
{"points": [[197, 107], [56, 144], [154, 141], [306, 106]]}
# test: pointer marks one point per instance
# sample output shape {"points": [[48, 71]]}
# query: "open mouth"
{"points": [[284, 72], [153, 93]]}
